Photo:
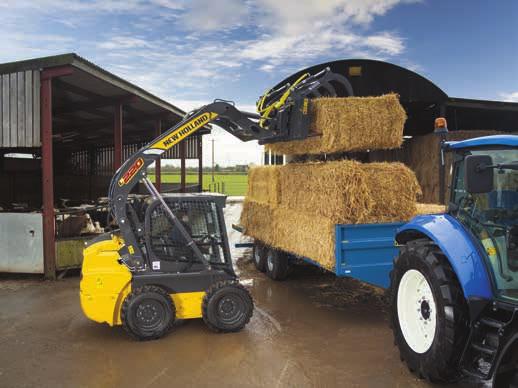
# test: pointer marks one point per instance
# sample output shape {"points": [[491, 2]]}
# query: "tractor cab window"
{"points": [[199, 219], [493, 217]]}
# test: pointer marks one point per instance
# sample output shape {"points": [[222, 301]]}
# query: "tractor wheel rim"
{"points": [[270, 262], [417, 311]]}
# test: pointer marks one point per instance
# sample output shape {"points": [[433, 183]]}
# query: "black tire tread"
{"points": [[262, 248], [210, 293], [281, 265], [452, 299], [125, 310]]}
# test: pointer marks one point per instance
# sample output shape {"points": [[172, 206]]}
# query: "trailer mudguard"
{"points": [[458, 246]]}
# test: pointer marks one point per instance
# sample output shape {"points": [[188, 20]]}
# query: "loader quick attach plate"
{"points": [[294, 120]]}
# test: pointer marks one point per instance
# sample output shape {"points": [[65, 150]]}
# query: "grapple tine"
{"points": [[314, 94], [330, 90], [286, 112]]}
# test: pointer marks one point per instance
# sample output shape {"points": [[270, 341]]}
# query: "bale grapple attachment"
{"points": [[285, 109]]}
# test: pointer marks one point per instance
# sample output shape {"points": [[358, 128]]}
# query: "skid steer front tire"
{"points": [[428, 312], [227, 307], [148, 313]]}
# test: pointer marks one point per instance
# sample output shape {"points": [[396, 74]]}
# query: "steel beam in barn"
{"points": [[158, 172], [200, 163], [117, 136], [183, 150]]}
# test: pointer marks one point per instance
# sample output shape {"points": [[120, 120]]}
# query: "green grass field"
{"points": [[230, 184]]}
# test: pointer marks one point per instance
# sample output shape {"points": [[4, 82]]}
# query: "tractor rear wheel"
{"points": [[277, 264], [428, 312], [227, 306], [148, 313], [259, 253]]}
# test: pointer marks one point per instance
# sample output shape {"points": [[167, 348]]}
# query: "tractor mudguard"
{"points": [[458, 246]]}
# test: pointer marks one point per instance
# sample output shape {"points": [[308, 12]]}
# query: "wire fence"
{"points": [[227, 187], [222, 182]]}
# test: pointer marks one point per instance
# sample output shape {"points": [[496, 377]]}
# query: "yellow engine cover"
{"points": [[105, 283]]}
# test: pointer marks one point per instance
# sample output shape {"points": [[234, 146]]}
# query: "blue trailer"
{"points": [[452, 278]]}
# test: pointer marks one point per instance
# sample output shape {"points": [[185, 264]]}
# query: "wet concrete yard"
{"points": [[308, 331]]}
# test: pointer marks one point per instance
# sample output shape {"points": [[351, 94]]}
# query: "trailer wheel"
{"points": [[428, 312], [277, 265], [148, 313], [260, 252]]}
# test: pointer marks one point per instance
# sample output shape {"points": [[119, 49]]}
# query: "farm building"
{"points": [[65, 126], [423, 101]]}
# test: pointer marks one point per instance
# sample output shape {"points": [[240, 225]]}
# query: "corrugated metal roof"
{"points": [[83, 64]]}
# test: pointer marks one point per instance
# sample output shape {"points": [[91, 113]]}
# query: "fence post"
{"points": [[222, 187]]}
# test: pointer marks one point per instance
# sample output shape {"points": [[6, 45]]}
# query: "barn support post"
{"points": [[117, 136], [49, 248], [158, 166], [200, 163], [183, 151], [49, 251], [47, 168]]}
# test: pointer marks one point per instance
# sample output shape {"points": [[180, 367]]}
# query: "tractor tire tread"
{"points": [[434, 367]]}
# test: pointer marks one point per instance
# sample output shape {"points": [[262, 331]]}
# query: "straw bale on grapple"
{"points": [[346, 124]]}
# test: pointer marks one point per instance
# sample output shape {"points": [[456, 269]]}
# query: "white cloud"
{"points": [[190, 52], [509, 97], [170, 4], [208, 15], [123, 42]]}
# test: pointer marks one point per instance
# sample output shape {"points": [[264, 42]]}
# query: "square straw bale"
{"points": [[346, 124]]}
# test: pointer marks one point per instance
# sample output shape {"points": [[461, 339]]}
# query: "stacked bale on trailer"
{"points": [[309, 199]]}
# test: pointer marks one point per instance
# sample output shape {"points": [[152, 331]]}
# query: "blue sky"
{"points": [[190, 52]]}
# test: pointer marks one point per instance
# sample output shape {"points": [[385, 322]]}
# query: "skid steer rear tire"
{"points": [[148, 313], [277, 264], [260, 255], [428, 312], [227, 307]]}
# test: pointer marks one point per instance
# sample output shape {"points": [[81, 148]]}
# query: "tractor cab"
{"points": [[484, 198]]}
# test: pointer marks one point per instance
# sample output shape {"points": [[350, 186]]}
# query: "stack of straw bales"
{"points": [[421, 154], [347, 124], [296, 207]]}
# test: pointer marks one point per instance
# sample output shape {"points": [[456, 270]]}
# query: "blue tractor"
{"points": [[452, 278], [454, 284]]}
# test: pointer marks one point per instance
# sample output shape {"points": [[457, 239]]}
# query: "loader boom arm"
{"points": [[222, 113]]}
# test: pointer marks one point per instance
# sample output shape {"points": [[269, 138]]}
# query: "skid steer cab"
{"points": [[187, 272], [454, 286]]}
